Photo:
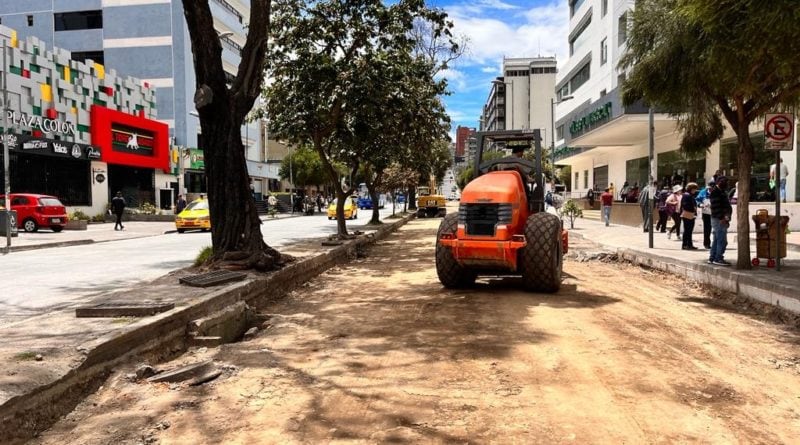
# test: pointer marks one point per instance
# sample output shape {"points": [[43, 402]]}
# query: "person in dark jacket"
{"points": [[118, 208], [661, 205], [180, 204], [688, 214], [721, 212]]}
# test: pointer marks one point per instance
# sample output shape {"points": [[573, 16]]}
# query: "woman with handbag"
{"points": [[688, 214]]}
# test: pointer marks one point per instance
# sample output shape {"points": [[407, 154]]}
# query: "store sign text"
{"points": [[42, 123], [580, 125]]}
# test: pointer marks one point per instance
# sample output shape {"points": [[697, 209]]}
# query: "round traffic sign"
{"points": [[779, 128]]}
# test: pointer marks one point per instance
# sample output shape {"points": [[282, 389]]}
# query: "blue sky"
{"points": [[497, 29]]}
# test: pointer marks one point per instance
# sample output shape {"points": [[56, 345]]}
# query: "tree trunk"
{"points": [[333, 176], [235, 225], [412, 198], [746, 154], [373, 195]]}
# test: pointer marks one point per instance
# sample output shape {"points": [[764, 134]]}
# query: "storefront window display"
{"points": [[675, 167], [637, 171]]}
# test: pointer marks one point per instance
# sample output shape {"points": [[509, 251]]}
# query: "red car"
{"points": [[36, 212]]}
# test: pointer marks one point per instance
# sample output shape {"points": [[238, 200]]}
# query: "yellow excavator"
{"points": [[429, 205]]}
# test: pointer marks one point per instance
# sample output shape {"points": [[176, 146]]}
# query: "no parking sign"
{"points": [[779, 131]]}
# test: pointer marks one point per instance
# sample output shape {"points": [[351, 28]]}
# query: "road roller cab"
{"points": [[501, 227]]}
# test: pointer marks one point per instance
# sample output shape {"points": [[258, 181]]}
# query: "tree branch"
{"points": [[247, 85]]}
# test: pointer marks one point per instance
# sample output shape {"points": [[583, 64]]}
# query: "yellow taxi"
{"points": [[350, 208], [194, 216]]}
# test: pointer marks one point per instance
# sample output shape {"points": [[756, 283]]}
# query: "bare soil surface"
{"points": [[378, 352]]}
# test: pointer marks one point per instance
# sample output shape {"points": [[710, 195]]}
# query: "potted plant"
{"points": [[77, 221]]}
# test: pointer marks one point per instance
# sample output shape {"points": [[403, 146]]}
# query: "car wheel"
{"points": [[56, 228], [181, 230], [30, 225]]}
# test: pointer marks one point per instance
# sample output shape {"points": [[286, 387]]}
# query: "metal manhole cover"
{"points": [[214, 278], [111, 310]]}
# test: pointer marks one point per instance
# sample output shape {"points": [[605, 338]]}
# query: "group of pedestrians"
{"points": [[682, 205]]}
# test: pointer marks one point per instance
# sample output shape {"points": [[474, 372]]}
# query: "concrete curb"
{"points": [[79, 242], [726, 279], [161, 336]]}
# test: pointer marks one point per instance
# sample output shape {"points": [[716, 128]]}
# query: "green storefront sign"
{"points": [[196, 159], [586, 122]]}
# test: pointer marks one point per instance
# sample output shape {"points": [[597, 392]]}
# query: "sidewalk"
{"points": [[760, 283], [98, 233]]}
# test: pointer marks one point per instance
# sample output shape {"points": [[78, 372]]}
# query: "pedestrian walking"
{"points": [[704, 202], [118, 208], [646, 205], [661, 205], [721, 212], [782, 182], [272, 201], [673, 204], [606, 199], [320, 200], [590, 197], [688, 215], [180, 204]]}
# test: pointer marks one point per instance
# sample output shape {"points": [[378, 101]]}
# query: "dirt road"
{"points": [[378, 351]]}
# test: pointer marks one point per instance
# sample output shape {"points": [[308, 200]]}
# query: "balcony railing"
{"points": [[230, 9], [231, 45]]}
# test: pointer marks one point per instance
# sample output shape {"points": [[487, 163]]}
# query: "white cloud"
{"points": [[490, 70], [541, 30], [456, 80]]}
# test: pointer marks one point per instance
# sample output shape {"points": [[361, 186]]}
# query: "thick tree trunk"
{"points": [[235, 225], [373, 195], [746, 154]]}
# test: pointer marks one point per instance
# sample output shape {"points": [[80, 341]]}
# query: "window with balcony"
{"points": [[75, 21], [580, 78], [578, 37]]}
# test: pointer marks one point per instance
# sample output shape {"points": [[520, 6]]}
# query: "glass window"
{"points": [[52, 202], [637, 171], [674, 167], [604, 51], [574, 5], [603, 8], [83, 56], [580, 78], [577, 176], [560, 132], [580, 37], [201, 204], [623, 28], [73, 21], [759, 177], [586, 179]]}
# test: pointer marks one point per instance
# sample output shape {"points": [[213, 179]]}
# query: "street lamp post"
{"points": [[511, 87], [553, 104], [291, 179], [6, 163]]}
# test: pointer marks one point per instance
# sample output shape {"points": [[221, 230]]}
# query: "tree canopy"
{"points": [[303, 167], [707, 61], [345, 81]]}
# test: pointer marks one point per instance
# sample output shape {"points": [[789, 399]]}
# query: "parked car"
{"points": [[36, 212], [365, 202], [194, 216], [350, 208]]}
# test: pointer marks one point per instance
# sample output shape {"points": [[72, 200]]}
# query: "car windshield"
{"points": [[198, 205], [52, 202]]}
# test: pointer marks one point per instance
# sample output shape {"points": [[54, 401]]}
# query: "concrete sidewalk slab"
{"points": [[761, 283]]}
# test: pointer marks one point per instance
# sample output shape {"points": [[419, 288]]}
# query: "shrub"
{"points": [[571, 210], [100, 217], [148, 209], [203, 256], [78, 215]]}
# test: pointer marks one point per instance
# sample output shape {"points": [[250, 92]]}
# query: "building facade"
{"points": [[521, 99], [77, 130], [606, 142], [148, 40]]}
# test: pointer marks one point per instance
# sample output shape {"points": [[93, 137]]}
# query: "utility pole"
{"points": [[6, 163]]}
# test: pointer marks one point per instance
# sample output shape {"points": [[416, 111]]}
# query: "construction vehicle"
{"points": [[501, 227], [429, 205]]}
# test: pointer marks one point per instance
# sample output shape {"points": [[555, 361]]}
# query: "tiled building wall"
{"points": [[46, 82]]}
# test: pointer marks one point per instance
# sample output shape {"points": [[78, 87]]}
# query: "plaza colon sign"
{"points": [[44, 124]]}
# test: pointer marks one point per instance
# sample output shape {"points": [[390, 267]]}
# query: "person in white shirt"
{"points": [[784, 175]]}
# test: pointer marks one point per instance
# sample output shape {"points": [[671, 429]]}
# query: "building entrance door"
{"points": [[136, 184]]}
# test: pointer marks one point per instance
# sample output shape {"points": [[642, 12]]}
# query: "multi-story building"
{"points": [[606, 142], [521, 99], [80, 131], [462, 136], [148, 40]]}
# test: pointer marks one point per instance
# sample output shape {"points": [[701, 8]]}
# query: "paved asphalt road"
{"points": [[37, 281]]}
